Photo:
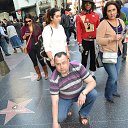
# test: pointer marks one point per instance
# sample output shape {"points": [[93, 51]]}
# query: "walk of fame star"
{"points": [[14, 108]]}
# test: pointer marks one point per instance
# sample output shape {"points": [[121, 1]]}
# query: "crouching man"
{"points": [[66, 87]]}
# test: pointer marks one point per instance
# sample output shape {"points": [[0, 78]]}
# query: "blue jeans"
{"points": [[4, 45], [113, 74], [65, 106]]}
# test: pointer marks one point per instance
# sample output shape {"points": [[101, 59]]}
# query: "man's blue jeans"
{"points": [[113, 74], [4, 45], [65, 106]]}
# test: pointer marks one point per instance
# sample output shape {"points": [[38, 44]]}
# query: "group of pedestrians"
{"points": [[68, 78], [66, 83], [3, 41], [10, 33]]}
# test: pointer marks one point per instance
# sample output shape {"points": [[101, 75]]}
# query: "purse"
{"points": [[42, 51], [25, 48], [99, 62], [110, 57]]}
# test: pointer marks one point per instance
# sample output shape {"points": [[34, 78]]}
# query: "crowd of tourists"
{"points": [[47, 39]]}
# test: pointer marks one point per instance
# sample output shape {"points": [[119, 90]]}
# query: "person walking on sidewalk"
{"points": [[72, 28], [86, 23], [32, 29], [17, 24], [66, 87], [54, 38], [13, 37], [3, 42], [109, 37], [65, 22]]}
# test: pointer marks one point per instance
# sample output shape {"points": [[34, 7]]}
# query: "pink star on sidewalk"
{"points": [[14, 108]]}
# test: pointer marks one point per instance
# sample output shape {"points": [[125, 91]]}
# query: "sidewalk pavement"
{"points": [[14, 59], [26, 103]]}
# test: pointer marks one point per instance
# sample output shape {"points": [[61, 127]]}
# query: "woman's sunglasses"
{"points": [[28, 21]]}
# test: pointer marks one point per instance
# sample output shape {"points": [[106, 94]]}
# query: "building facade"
{"points": [[35, 7]]}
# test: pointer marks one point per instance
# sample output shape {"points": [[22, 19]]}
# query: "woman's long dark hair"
{"points": [[34, 24], [50, 14], [106, 6]]}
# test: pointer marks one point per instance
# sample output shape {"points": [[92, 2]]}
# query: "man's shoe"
{"points": [[116, 95], [7, 54]]}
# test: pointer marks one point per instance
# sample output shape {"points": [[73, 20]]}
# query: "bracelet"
{"points": [[83, 93]]}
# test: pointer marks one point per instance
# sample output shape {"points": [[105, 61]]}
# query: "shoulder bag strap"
{"points": [[28, 40], [51, 29], [117, 32]]}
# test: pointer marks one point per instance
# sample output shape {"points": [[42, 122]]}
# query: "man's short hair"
{"points": [[59, 54]]}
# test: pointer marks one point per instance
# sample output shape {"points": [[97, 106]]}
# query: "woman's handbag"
{"points": [[110, 57], [99, 62], [40, 41], [42, 51], [25, 48]]}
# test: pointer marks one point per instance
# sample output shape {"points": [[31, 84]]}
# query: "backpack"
{"points": [[40, 41], [72, 23], [65, 21]]}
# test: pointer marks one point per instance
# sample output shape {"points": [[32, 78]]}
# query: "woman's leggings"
{"points": [[34, 54]]}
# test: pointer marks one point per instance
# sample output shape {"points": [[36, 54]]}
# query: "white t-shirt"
{"points": [[11, 31], [54, 39]]}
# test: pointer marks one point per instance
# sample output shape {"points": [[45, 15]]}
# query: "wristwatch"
{"points": [[84, 93]]}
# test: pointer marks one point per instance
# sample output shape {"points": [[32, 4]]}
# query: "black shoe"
{"points": [[116, 95], [7, 54], [110, 100]]}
